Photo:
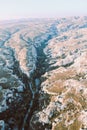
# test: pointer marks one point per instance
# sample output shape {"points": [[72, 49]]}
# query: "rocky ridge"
{"points": [[65, 80]]}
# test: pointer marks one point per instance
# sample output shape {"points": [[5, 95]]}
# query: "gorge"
{"points": [[43, 74]]}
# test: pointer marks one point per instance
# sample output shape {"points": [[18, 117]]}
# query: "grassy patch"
{"points": [[75, 126], [77, 98], [60, 126], [70, 73], [57, 87]]}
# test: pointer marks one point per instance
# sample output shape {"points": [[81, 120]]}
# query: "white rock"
{"points": [[2, 125], [3, 80], [20, 88]]}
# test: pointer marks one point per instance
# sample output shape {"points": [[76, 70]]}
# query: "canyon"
{"points": [[43, 74]]}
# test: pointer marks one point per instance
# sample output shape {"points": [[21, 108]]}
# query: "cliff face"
{"points": [[43, 74]]}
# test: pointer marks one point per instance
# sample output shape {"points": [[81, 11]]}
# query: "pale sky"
{"points": [[12, 9]]}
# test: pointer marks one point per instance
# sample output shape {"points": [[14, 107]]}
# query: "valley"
{"points": [[43, 74]]}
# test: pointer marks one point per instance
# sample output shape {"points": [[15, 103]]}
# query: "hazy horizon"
{"points": [[41, 9]]}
